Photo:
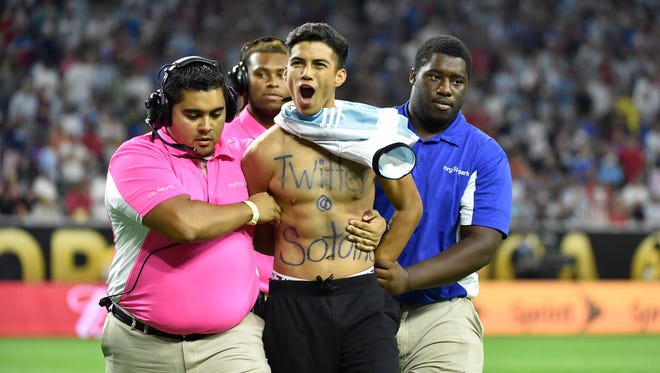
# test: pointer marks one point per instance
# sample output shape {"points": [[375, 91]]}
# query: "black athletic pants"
{"points": [[345, 325]]}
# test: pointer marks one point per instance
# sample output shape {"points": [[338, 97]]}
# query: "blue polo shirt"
{"points": [[463, 177]]}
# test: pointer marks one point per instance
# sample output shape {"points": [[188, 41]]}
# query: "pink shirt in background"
{"points": [[182, 288], [244, 126]]}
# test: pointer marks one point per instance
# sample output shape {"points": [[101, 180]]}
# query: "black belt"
{"points": [[146, 329]]}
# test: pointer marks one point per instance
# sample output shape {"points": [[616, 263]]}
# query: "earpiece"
{"points": [[154, 104], [231, 103], [238, 78], [159, 110]]}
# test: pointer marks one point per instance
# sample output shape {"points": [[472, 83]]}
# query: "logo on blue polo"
{"points": [[455, 170]]}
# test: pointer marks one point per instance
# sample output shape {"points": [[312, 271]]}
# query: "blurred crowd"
{"points": [[570, 89]]}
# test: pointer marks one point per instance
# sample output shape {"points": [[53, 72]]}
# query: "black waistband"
{"points": [[146, 329], [321, 286]]}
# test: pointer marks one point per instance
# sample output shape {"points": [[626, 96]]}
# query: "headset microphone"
{"points": [[154, 133], [107, 300], [178, 146]]}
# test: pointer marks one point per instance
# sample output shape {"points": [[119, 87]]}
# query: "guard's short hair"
{"points": [[445, 44]]}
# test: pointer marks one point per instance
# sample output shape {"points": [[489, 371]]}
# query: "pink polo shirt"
{"points": [[244, 126], [182, 288]]}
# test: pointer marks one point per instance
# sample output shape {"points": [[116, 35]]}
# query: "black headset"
{"points": [[238, 75], [159, 109]]}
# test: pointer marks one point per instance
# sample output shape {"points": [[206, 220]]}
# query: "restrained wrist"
{"points": [[255, 212]]}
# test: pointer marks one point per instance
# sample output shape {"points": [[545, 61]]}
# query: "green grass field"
{"points": [[50, 356], [630, 354]]}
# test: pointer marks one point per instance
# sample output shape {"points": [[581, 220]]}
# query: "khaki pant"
{"points": [[441, 337], [236, 350]]}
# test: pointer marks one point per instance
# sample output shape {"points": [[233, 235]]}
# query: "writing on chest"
{"points": [[315, 172]]}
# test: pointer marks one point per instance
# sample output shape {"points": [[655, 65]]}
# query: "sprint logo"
{"points": [[455, 170]]}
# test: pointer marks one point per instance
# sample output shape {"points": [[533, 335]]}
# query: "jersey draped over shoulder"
{"points": [[375, 137]]}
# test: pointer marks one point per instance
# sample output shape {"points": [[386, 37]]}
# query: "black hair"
{"points": [[445, 44], [198, 76], [265, 44], [322, 32]]}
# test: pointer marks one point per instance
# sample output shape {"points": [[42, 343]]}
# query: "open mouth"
{"points": [[306, 92]]}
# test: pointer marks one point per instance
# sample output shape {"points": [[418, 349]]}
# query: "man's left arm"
{"points": [[481, 232], [404, 196]]}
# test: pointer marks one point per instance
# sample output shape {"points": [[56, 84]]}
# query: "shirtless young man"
{"points": [[259, 79], [325, 311]]}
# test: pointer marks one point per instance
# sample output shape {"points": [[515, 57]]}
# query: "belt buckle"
{"points": [[134, 324]]}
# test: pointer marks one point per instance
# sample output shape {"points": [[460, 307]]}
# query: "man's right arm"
{"points": [[184, 220], [147, 186], [475, 250], [403, 194]]}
